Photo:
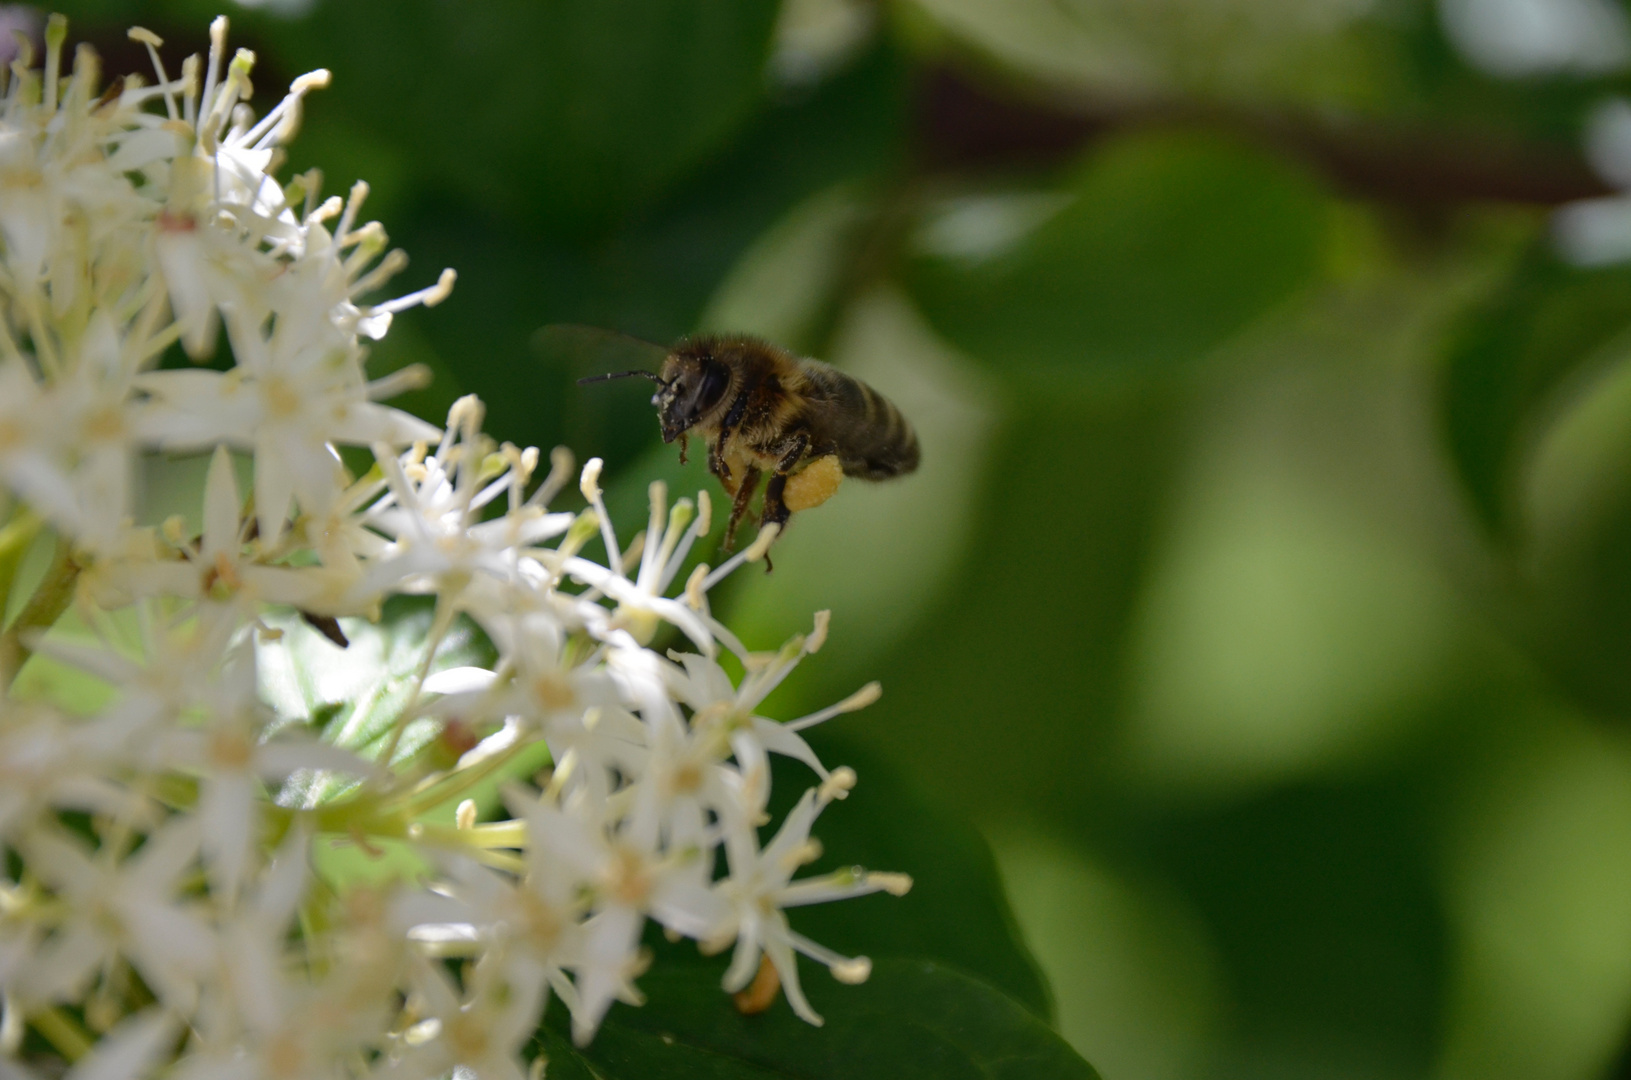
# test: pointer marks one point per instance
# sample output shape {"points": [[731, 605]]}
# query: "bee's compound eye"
{"points": [[714, 380]]}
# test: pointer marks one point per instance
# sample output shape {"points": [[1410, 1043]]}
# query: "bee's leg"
{"points": [[727, 426], [685, 444], [775, 509], [739, 506], [716, 456], [796, 448], [738, 409]]}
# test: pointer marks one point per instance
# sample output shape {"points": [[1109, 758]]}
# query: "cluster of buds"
{"points": [[158, 906]]}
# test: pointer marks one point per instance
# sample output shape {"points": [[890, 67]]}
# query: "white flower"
{"points": [[56, 188], [133, 1049], [268, 1022], [718, 706], [481, 1032], [231, 760], [575, 707], [287, 415], [432, 514], [49, 762], [117, 909], [628, 878], [134, 220], [180, 662], [250, 944], [530, 929], [67, 444], [640, 602], [219, 570], [760, 888]]}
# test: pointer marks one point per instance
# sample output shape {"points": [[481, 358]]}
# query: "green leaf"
{"points": [[1325, 906], [910, 1019], [360, 690], [1170, 244], [1509, 361], [956, 913], [565, 114], [354, 696]]}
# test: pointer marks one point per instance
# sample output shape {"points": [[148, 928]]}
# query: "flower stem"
{"points": [[63, 1032]]}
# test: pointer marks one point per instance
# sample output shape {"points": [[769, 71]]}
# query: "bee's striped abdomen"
{"points": [[872, 438]]}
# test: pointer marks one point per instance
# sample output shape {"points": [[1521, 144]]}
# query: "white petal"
{"points": [[459, 680], [227, 806], [274, 490], [222, 506]]}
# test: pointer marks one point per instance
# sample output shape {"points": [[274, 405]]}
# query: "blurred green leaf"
{"points": [[1324, 908], [786, 282], [1002, 697], [1536, 853], [1577, 607], [1330, 54], [910, 1019], [1508, 362], [1129, 963], [361, 689], [956, 913], [565, 114], [1570, 578], [1173, 243]]}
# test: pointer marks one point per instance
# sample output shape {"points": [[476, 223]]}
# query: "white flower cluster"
{"points": [[157, 903]]}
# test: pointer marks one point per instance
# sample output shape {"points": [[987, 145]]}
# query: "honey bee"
{"points": [[765, 412]]}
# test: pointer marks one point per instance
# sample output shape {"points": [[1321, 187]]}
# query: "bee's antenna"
{"points": [[652, 375]]}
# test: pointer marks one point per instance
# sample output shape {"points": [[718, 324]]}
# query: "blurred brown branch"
{"points": [[964, 125]]}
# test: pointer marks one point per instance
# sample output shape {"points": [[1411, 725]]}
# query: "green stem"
{"points": [[451, 785], [504, 834], [63, 1032], [498, 834], [44, 608], [440, 622], [454, 839]]}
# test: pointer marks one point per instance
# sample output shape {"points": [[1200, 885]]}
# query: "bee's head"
{"points": [[693, 382]]}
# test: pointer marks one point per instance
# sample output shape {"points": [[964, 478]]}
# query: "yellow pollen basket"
{"points": [[814, 484]]}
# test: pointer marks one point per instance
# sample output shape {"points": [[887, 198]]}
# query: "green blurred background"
{"points": [[1265, 595]]}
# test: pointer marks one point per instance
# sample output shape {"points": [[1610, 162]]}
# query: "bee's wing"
{"points": [[587, 351]]}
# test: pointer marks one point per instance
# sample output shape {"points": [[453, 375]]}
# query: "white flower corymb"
{"points": [[229, 749]]}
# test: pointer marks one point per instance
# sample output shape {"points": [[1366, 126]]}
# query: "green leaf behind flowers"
{"points": [[912, 1018], [953, 992], [565, 114]]}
